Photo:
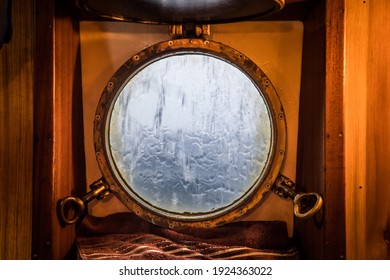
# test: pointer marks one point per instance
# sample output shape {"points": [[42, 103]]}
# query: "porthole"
{"points": [[189, 133]]}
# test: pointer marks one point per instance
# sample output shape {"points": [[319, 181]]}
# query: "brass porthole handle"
{"points": [[305, 204], [299, 205], [78, 206]]}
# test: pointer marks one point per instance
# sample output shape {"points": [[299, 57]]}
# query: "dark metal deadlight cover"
{"points": [[181, 11], [190, 132]]}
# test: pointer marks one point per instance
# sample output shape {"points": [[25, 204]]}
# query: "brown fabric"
{"points": [[126, 236]]}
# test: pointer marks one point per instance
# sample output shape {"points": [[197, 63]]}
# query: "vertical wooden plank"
{"points": [[59, 151], [69, 154], [356, 30], [334, 128], [43, 210], [367, 146], [310, 161], [321, 144], [16, 126], [378, 131]]}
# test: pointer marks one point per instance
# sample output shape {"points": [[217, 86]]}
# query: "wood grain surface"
{"points": [[59, 165], [367, 149], [320, 165], [16, 130]]}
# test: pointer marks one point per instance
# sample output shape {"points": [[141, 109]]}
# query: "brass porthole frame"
{"points": [[170, 48]]}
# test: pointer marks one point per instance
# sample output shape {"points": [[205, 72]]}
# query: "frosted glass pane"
{"points": [[190, 134]]}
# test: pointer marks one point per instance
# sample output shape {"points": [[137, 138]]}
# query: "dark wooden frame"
{"points": [[59, 164], [320, 164]]}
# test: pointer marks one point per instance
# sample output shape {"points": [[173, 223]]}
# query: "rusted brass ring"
{"points": [[74, 203], [313, 210]]}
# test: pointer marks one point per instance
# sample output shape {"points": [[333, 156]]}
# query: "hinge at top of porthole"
{"points": [[189, 30]]}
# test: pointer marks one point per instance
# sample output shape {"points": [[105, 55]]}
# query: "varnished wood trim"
{"points": [[59, 165], [356, 126], [310, 155], [69, 154], [16, 129], [367, 119], [320, 165], [335, 237], [43, 131]]}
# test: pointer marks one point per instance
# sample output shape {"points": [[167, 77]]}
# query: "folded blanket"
{"points": [[126, 236]]}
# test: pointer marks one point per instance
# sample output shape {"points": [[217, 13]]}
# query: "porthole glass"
{"points": [[190, 134]]}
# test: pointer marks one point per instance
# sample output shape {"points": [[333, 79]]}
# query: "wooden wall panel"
{"points": [[59, 164], [355, 134], [310, 176], [334, 180], [43, 132], [320, 165], [378, 131], [367, 106], [69, 154], [16, 130]]}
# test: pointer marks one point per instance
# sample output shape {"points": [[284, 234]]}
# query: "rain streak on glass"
{"points": [[190, 134]]}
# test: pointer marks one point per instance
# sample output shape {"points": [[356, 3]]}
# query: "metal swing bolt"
{"points": [[305, 204], [99, 190]]}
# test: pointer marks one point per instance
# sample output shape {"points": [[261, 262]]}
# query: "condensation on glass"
{"points": [[190, 133]]}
